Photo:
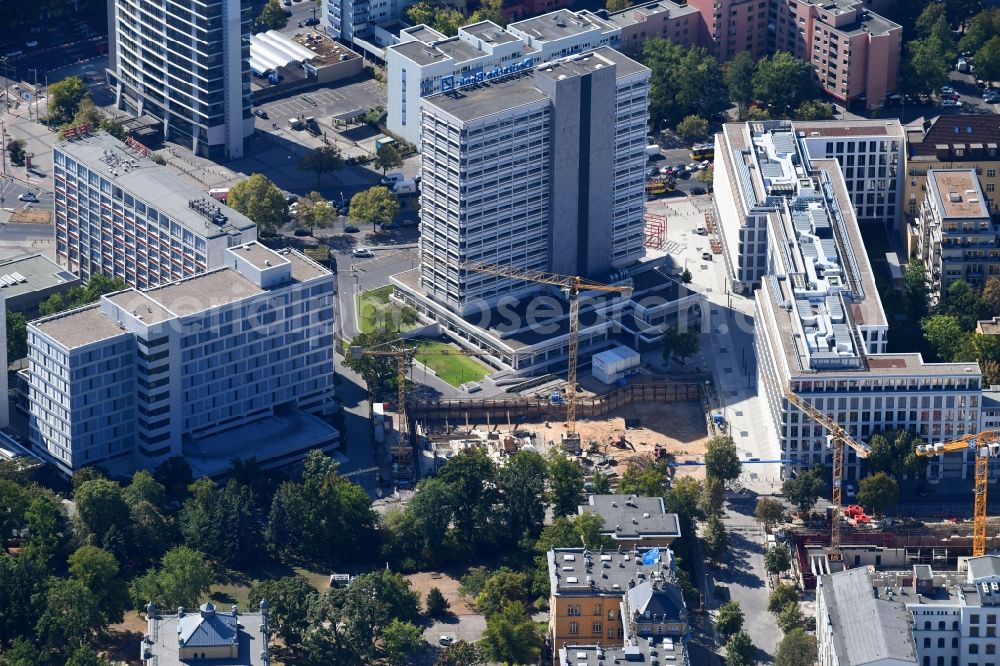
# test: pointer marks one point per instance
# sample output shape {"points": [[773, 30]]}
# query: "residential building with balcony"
{"points": [[425, 62], [731, 26], [119, 214], [186, 64], [236, 362], [680, 24], [958, 239], [820, 329], [950, 142]]}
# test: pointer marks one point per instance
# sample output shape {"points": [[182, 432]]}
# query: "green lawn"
{"points": [[454, 369], [372, 307]]}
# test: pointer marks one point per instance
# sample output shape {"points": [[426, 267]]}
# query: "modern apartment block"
{"points": [[358, 22], [854, 50], [958, 240], [680, 24], [234, 362], [871, 154], [119, 214], [186, 64], [542, 170], [425, 62], [951, 142], [857, 623], [820, 329]]}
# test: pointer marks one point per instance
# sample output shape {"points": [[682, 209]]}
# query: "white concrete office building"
{"points": [[820, 329], [186, 64], [119, 214], [541, 170], [425, 62], [871, 154], [235, 362]]}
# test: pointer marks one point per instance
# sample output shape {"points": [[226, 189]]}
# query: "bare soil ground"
{"points": [[30, 216], [423, 581]]}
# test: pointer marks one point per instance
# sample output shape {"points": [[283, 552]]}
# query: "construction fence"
{"points": [[498, 410]]}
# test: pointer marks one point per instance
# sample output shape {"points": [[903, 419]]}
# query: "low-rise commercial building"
{"points": [[119, 214], [859, 625], [207, 635], [958, 240], [234, 362], [634, 520], [27, 281], [950, 142]]}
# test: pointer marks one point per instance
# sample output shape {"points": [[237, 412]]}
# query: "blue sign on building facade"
{"points": [[448, 82]]}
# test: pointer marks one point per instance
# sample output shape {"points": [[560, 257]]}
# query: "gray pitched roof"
{"points": [[207, 628], [866, 629], [665, 601]]}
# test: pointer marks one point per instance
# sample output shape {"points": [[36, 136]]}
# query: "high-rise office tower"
{"points": [[542, 170], [185, 63]]}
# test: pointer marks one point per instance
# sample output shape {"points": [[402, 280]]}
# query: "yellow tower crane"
{"points": [[985, 445], [838, 438], [403, 354], [571, 285]]}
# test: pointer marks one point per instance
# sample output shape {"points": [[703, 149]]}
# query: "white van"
{"points": [[392, 178]]}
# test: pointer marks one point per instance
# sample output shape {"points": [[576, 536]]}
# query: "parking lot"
{"points": [[324, 104]]}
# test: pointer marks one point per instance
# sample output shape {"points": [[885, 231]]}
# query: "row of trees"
{"points": [[446, 19], [690, 87], [69, 105]]}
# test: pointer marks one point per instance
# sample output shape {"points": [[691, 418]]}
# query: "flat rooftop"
{"points": [[585, 63], [259, 256], [485, 99], [582, 571], [31, 273], [640, 13], [489, 32], [957, 193], [141, 306], [631, 517], [848, 128], [202, 292], [423, 33], [561, 24], [157, 186], [79, 327]]}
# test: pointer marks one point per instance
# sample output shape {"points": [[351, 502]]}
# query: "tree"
{"points": [[448, 20], [769, 512], [777, 560], [183, 579], [400, 640], [565, 483], [739, 81], [713, 495], [647, 481], [782, 595], [783, 82], [715, 538], [926, 65], [322, 160], [804, 489], [431, 508], [682, 499], [600, 483], [797, 648], [617, 5], [64, 99], [894, 453], [729, 619], [686, 276], [174, 474], [21, 653], [740, 650], [960, 11], [100, 505], [962, 300], [378, 371], [421, 12], [814, 109], [98, 570], [878, 492], [436, 606], [588, 528], [288, 602], [692, 128], [224, 523], [72, 615], [22, 584], [470, 476], [984, 26], [85, 656], [684, 81], [988, 60], [521, 487], [511, 636], [370, 603], [502, 587], [460, 654], [489, 10], [260, 200], [315, 211], [387, 157], [17, 336], [990, 294], [144, 488], [273, 15], [790, 617], [679, 344], [374, 206], [47, 525], [722, 461], [15, 148]]}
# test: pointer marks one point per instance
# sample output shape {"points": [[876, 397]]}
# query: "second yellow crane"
{"points": [[985, 445]]}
